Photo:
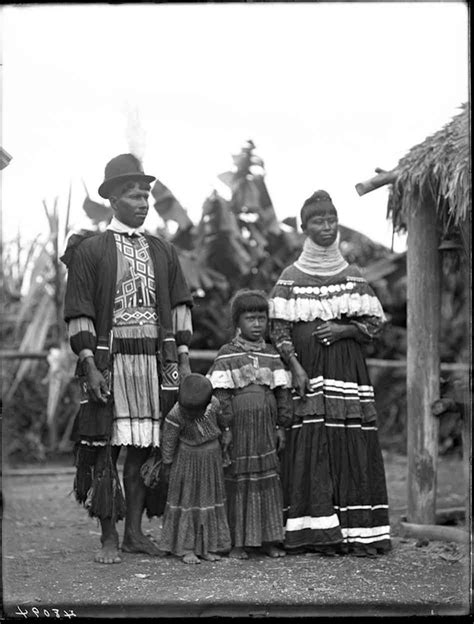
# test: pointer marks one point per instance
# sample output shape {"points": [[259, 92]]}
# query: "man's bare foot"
{"points": [[272, 551], [109, 553], [238, 553], [190, 558], [211, 557], [141, 544]]}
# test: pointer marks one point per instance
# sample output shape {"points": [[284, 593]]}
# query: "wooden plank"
{"points": [[423, 365], [48, 471], [23, 355]]}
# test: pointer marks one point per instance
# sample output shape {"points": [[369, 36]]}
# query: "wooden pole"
{"points": [[57, 274], [68, 212], [423, 365], [381, 179]]}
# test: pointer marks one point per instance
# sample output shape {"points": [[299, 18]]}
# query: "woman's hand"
{"points": [[329, 332], [280, 439], [226, 440], [300, 378], [165, 472]]}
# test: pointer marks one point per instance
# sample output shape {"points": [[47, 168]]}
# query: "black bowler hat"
{"points": [[195, 391], [122, 168]]}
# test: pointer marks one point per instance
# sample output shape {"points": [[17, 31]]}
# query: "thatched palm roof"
{"points": [[441, 166]]}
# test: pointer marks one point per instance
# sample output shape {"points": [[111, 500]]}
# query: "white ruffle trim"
{"points": [[135, 432], [248, 374], [306, 309]]}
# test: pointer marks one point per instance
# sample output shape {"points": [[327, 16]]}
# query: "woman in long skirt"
{"points": [[322, 312]]}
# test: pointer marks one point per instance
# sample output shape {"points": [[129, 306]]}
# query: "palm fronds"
{"points": [[35, 283], [33, 339], [168, 207]]}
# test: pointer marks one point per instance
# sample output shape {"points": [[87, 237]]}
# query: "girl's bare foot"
{"points": [[109, 553], [272, 551], [190, 558], [211, 557], [238, 553]]}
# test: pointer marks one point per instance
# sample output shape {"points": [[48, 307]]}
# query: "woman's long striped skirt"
{"points": [[333, 473]]}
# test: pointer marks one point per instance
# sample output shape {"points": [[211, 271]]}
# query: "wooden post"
{"points": [[466, 231], [423, 365]]}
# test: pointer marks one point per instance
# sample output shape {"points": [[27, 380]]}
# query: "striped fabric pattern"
{"points": [[353, 512], [344, 390], [308, 489], [234, 368], [134, 347], [82, 334], [136, 391]]}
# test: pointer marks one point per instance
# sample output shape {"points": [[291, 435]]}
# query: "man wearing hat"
{"points": [[128, 310]]}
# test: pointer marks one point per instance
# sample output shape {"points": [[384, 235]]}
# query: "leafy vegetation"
{"points": [[237, 243]]}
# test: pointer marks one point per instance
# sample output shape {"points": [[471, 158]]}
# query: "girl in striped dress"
{"points": [[252, 385], [322, 312], [194, 522]]}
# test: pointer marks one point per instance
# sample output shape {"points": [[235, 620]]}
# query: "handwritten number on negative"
{"points": [[35, 611], [23, 613]]}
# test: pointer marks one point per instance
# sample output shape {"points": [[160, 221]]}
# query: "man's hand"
{"points": [[184, 368], [280, 439], [301, 381], [95, 381]]}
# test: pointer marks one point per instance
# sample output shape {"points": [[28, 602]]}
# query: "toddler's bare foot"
{"points": [[109, 553], [238, 553], [272, 551], [211, 557], [190, 558], [141, 544]]}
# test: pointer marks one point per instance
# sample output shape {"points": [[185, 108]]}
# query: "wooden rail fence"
{"points": [[209, 355]]}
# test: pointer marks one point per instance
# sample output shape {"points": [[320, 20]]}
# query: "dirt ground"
{"points": [[48, 568]]}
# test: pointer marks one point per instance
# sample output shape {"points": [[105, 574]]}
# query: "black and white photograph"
{"points": [[236, 310]]}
